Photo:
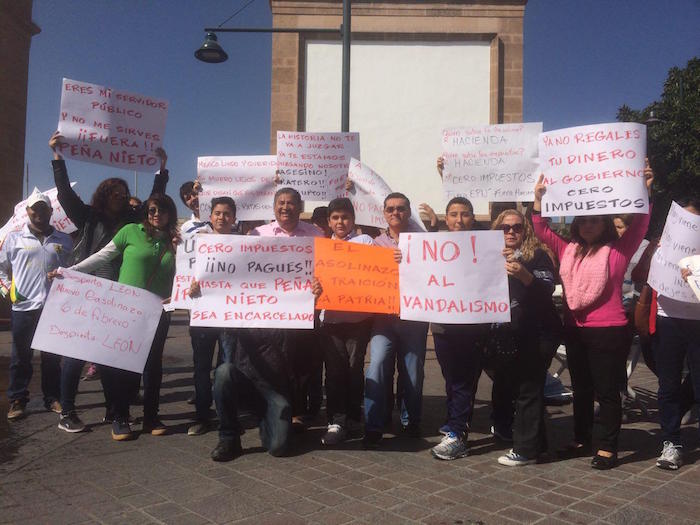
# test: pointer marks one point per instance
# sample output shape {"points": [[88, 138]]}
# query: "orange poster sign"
{"points": [[356, 277]]}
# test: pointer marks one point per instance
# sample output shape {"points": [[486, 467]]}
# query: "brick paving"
{"points": [[49, 476]]}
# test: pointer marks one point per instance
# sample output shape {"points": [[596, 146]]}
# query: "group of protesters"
{"points": [[277, 374]]}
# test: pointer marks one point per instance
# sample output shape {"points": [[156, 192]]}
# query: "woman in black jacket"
{"points": [[535, 329], [97, 223]]}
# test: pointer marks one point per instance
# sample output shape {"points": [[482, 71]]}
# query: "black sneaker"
{"points": [[411, 430], [371, 439], [227, 450], [121, 431], [199, 428], [70, 422]]}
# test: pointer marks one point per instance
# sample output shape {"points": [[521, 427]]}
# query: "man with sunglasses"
{"points": [[391, 338]]}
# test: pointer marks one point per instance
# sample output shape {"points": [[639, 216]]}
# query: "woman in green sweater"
{"points": [[148, 261]]}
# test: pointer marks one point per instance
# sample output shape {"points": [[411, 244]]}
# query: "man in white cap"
{"points": [[26, 257]]}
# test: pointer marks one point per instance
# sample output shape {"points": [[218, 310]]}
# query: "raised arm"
{"points": [[541, 225], [632, 238], [76, 210], [161, 179]]}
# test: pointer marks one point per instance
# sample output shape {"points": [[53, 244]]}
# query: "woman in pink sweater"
{"points": [[592, 270]]}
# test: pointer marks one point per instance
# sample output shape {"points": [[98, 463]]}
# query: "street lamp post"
{"points": [[212, 53]]}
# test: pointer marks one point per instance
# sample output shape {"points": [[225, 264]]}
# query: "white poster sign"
{"points": [[456, 277], [493, 163], [249, 181], [367, 196], [316, 164], [109, 126], [254, 282], [98, 320], [594, 170], [680, 239], [184, 274], [692, 263], [59, 219]]}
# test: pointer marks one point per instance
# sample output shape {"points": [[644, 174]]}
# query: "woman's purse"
{"points": [[642, 310], [498, 346]]}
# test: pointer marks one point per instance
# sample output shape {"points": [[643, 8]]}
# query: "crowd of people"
{"points": [[277, 374]]}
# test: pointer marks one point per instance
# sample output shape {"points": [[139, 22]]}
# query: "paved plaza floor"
{"points": [[49, 476]]}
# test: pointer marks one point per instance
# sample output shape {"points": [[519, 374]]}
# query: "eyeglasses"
{"points": [[153, 211], [397, 209], [515, 228]]}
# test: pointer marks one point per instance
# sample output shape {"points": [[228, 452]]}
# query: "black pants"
{"points": [[675, 341], [460, 362], [597, 358], [120, 384], [345, 346]]}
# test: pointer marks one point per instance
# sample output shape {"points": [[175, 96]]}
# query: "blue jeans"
{"points": [[273, 408], [674, 341], [406, 339], [23, 328], [204, 341]]}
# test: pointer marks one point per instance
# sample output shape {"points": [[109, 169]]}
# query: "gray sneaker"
{"points": [[671, 457], [451, 447]]}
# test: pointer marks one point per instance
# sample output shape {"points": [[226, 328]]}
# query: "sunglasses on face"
{"points": [[515, 228], [153, 211], [392, 209]]}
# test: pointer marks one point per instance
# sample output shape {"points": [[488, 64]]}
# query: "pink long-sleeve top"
{"points": [[607, 310]]}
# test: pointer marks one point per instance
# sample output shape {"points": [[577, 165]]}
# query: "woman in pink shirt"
{"points": [[592, 270]]}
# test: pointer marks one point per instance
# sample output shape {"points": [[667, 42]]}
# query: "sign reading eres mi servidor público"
{"points": [[110, 126]]}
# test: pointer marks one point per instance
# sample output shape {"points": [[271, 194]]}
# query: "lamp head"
{"points": [[211, 52], [653, 119]]}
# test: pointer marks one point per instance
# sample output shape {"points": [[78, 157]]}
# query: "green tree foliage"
{"points": [[673, 141]]}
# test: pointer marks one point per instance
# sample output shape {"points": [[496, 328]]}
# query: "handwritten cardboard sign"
{"points": [[491, 163], [109, 126], [254, 282], [249, 181], [367, 196], [455, 277], [316, 164], [59, 219], [356, 277], [680, 239], [99, 321], [594, 170], [184, 274]]}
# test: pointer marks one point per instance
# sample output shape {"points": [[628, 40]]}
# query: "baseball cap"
{"points": [[36, 197]]}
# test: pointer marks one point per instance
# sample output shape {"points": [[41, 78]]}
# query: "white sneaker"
{"points": [[515, 460], [451, 447], [671, 457], [334, 435]]}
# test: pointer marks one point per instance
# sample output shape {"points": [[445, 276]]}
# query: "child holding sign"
{"points": [[344, 340], [597, 339]]}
